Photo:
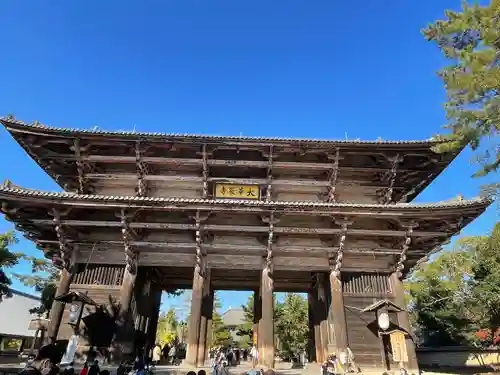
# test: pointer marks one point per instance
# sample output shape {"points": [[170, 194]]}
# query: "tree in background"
{"points": [[43, 279], [245, 330], [292, 325], [485, 287], [220, 333], [455, 299], [438, 294], [7, 259], [166, 331], [471, 41]]}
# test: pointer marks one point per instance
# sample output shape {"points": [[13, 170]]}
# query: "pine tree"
{"points": [[471, 41], [7, 259]]}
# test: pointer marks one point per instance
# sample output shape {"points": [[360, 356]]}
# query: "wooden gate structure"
{"points": [[146, 212]]}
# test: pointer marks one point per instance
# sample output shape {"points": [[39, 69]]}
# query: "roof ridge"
{"points": [[10, 120], [87, 197]]}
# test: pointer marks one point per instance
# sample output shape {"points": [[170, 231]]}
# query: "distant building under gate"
{"points": [[14, 322]]}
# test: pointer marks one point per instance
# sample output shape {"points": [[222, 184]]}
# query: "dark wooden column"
{"points": [[310, 341], [316, 315], [57, 309], [323, 316], [206, 307], [404, 321], [266, 327], [208, 341], [257, 315], [152, 323]]}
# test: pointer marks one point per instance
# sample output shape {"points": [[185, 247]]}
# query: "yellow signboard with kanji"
{"points": [[233, 191], [398, 344]]}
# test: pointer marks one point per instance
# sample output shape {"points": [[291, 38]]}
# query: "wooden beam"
{"points": [[217, 162], [186, 179], [308, 251], [242, 228]]}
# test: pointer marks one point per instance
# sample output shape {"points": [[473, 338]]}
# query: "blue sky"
{"points": [[321, 69]]}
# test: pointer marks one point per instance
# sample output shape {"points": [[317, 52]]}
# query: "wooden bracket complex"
{"points": [[65, 248], [142, 171], [400, 265], [131, 256], [332, 180], [335, 259]]}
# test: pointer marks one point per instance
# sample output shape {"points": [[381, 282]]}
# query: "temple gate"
{"points": [[145, 212]]}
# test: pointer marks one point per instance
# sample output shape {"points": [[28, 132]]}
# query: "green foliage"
{"points": [[455, 299], [43, 279], [220, 333], [166, 332], [470, 40], [291, 322], [7, 259], [245, 330]]}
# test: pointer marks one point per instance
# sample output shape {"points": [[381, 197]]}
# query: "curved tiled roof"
{"points": [[5, 189], [11, 122]]}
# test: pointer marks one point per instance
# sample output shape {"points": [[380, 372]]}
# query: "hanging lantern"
{"points": [[383, 320]]}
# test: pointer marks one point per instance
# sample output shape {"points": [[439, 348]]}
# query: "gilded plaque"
{"points": [[233, 191]]}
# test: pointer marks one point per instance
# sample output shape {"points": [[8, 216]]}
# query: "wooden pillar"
{"points": [[338, 323], [404, 321], [323, 314], [266, 326], [152, 323], [126, 291], [316, 315], [206, 306], [311, 352], [194, 319], [57, 309]]}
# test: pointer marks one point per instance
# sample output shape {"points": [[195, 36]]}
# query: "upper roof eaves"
{"points": [[11, 123]]}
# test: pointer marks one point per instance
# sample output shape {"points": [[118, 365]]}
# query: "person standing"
{"points": [[255, 356], [156, 354]]}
